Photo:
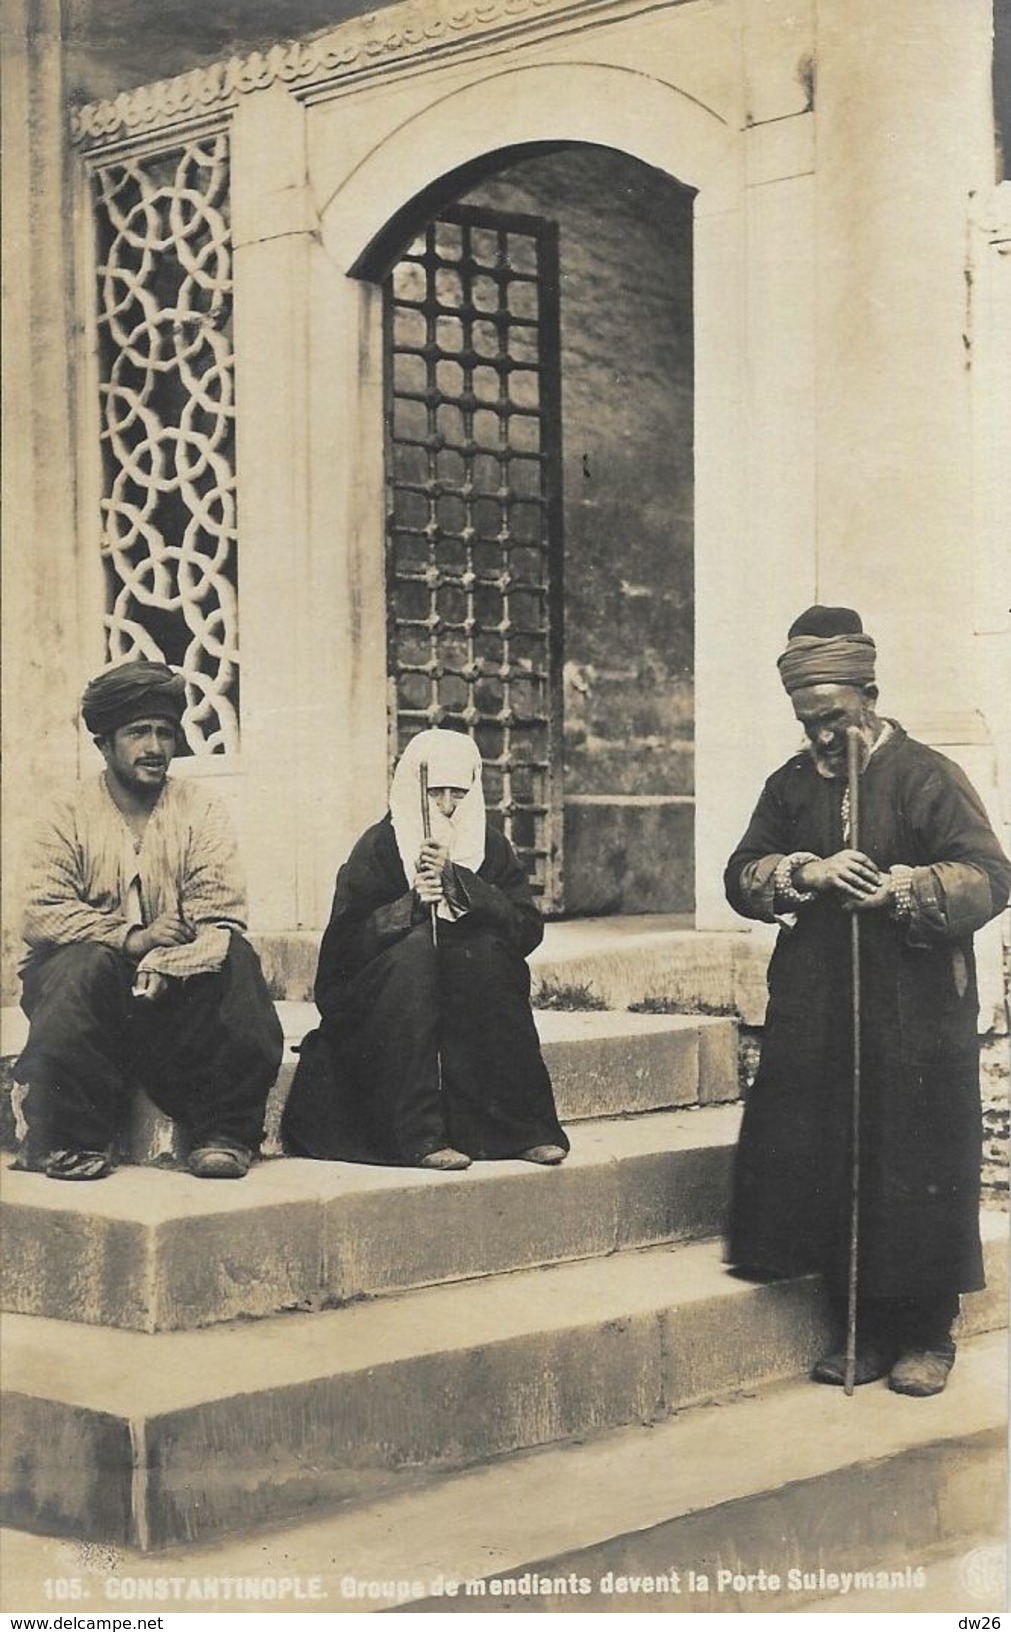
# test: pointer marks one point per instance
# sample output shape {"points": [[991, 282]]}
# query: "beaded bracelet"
{"points": [[901, 885], [782, 879]]}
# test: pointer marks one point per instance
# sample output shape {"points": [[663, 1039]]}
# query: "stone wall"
{"points": [[994, 1089], [625, 251]]}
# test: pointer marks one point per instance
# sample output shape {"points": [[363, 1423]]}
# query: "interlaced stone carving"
{"points": [[166, 386]]}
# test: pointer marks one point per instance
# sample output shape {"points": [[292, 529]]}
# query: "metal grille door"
{"points": [[473, 529]]}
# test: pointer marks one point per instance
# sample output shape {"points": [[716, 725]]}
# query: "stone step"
{"points": [[742, 1527], [164, 1439], [162, 1251], [621, 960], [798, 1478], [973, 1579], [602, 1063]]}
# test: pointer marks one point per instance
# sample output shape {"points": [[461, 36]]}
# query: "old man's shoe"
{"points": [[873, 1361], [545, 1155], [922, 1372]]}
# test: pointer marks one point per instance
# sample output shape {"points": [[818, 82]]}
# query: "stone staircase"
{"points": [[389, 1376]]}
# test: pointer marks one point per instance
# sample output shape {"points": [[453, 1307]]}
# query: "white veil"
{"points": [[453, 761]]}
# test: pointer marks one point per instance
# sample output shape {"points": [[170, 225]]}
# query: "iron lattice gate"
{"points": [[474, 508]]}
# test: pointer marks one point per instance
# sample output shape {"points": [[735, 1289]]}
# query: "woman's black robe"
{"points": [[394, 1008], [920, 1122]]}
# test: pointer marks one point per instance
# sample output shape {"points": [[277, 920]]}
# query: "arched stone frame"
{"points": [[416, 161]]}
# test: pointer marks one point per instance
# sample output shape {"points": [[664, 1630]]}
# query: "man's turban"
{"points": [[826, 646], [132, 691]]}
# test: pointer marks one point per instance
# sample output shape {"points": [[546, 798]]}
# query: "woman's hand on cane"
{"points": [[429, 879], [434, 858], [428, 888]]}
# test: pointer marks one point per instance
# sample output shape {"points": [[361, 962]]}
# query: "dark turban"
{"points": [[132, 691], [826, 646]]}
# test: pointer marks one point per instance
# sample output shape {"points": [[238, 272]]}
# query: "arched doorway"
{"points": [[539, 466]]}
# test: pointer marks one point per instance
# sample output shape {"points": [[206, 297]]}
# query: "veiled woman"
{"points": [[427, 1054]]}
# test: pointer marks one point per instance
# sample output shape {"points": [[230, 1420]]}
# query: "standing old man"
{"points": [[928, 873], [138, 969]]}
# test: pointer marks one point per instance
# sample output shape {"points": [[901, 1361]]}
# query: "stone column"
{"points": [[348, 505], [348, 545], [42, 640], [991, 432], [755, 458], [723, 586], [905, 151], [272, 225], [904, 135]]}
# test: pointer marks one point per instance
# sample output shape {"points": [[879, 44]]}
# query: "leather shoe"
{"points": [[546, 1155], [922, 1372], [873, 1362]]}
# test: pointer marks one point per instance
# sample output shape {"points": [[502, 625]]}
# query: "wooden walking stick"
{"points": [[854, 746]]}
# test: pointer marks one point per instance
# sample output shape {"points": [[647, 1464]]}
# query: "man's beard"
{"points": [[835, 767]]}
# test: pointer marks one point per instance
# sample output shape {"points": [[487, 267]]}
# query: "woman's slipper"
{"points": [[446, 1160], [220, 1161]]}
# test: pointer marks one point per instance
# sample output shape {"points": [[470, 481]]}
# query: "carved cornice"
{"points": [[415, 29]]}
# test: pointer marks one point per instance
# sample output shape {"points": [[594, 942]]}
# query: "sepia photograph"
{"points": [[506, 810]]}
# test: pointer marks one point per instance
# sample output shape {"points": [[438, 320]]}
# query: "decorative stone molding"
{"points": [[416, 28]]}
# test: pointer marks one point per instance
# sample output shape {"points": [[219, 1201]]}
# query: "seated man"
{"points": [[138, 969], [427, 1054]]}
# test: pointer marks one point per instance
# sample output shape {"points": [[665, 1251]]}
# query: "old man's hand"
{"points": [[849, 872], [881, 897]]}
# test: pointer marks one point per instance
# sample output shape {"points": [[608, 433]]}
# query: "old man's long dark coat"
{"points": [[921, 1125], [393, 1006]]}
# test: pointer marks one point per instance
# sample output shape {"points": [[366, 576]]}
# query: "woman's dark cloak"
{"points": [[920, 1118], [423, 1046]]}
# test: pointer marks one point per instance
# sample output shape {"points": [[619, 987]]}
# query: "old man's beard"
{"points": [[834, 765]]}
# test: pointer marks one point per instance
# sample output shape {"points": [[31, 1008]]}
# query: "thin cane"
{"points": [[853, 749], [426, 828]]}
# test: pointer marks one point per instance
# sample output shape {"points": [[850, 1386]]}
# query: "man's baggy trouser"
{"points": [[207, 1051]]}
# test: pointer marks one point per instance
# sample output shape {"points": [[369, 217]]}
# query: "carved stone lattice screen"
{"points": [[167, 424], [473, 528]]}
